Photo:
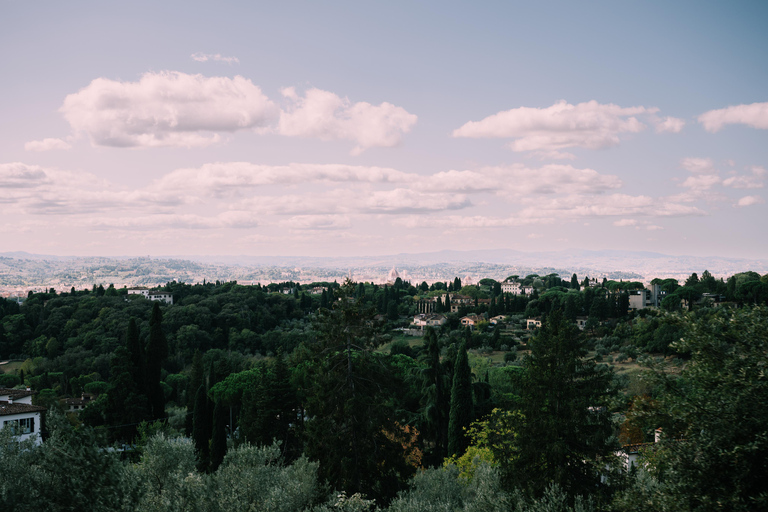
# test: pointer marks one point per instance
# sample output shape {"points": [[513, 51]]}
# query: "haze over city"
{"points": [[362, 129]]}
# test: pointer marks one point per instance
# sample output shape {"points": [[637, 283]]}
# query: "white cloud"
{"points": [[741, 181], [228, 219], [640, 225], [520, 181], [317, 222], [670, 124], [701, 181], [754, 115], [588, 125], [750, 200], [467, 222], [205, 57], [401, 200], [234, 177], [611, 205], [324, 115], [698, 165], [42, 191], [47, 145], [167, 109]]}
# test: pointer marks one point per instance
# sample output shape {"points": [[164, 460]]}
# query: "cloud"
{"points": [[754, 115], [749, 201], [167, 109], [228, 219], [701, 181], [19, 175], [588, 125], [324, 115], [640, 225], [171, 108], [742, 181], [519, 181], [47, 145], [233, 177], [317, 222], [698, 165], [205, 57], [611, 205], [669, 124], [46, 191], [401, 200], [467, 222]]}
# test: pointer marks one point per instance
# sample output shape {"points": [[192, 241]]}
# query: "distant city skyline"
{"points": [[308, 128]]}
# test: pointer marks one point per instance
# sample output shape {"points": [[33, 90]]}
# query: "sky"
{"points": [[371, 128]]}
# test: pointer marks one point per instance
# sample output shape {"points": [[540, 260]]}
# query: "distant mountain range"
{"points": [[21, 270]]}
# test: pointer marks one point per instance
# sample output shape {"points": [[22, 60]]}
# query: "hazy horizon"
{"points": [[306, 129]]}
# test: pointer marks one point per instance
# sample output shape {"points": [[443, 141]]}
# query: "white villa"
{"points": [[18, 413], [166, 297]]}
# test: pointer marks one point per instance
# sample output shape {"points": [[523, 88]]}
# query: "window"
{"points": [[21, 426]]}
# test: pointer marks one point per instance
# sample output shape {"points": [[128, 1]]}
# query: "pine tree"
{"points": [[462, 410]]}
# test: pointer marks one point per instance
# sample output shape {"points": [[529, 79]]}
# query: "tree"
{"points": [[462, 408], [157, 351], [219, 440], [715, 459], [436, 401], [201, 430], [563, 428], [137, 355], [349, 397], [574, 282]]}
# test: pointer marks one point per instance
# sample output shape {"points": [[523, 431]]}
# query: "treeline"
{"points": [[549, 442], [371, 419]]}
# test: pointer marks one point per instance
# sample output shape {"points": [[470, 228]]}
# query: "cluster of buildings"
{"points": [[165, 297]]}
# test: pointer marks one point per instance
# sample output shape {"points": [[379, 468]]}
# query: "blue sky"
{"points": [[364, 128]]}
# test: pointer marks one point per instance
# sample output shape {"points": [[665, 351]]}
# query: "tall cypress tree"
{"points": [[219, 441], [462, 408], [195, 380], [157, 352], [436, 400], [137, 356], [201, 430]]}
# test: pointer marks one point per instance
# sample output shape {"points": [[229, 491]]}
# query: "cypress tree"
{"points": [[219, 441], [195, 380], [137, 356], [157, 351], [201, 430], [462, 411]]}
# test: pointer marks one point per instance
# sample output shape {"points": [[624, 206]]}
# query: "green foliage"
{"points": [[219, 440], [348, 390], [563, 427], [462, 407], [715, 457]]}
